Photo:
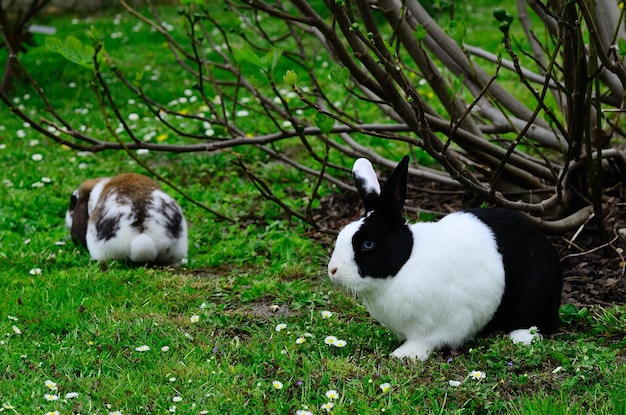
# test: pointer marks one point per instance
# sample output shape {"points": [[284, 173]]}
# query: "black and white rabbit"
{"points": [[128, 217], [440, 284]]}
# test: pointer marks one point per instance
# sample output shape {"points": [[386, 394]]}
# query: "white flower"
{"points": [[477, 375], [51, 385], [454, 383], [165, 348], [195, 318], [7, 405], [557, 369], [177, 399], [300, 340], [303, 412], [143, 151], [332, 394], [280, 327], [16, 330], [328, 406], [330, 340], [277, 384], [36, 157], [143, 348], [326, 314], [133, 116], [35, 271], [71, 395], [50, 397], [385, 387], [340, 343]]}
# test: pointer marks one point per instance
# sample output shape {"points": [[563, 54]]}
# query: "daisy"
{"points": [[328, 406], [51, 385], [195, 318], [35, 271], [326, 314], [177, 399], [51, 397], [52, 413], [303, 412], [340, 343], [165, 348], [332, 394], [7, 406], [477, 375], [277, 384], [16, 330], [143, 348], [454, 383], [71, 395], [385, 387], [330, 340], [300, 340], [280, 327]]}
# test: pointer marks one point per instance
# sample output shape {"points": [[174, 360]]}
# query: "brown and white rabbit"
{"points": [[128, 217], [441, 284]]}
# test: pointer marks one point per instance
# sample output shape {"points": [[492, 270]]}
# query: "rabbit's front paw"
{"points": [[413, 350]]}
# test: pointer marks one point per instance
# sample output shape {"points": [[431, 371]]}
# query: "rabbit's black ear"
{"points": [[391, 200], [80, 218], [366, 183]]}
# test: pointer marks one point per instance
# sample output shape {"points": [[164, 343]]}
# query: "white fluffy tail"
{"points": [[143, 249]]}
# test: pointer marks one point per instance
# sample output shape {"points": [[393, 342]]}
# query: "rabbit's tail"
{"points": [[143, 249]]}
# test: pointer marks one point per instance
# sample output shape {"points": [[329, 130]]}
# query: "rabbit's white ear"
{"points": [[366, 183]]}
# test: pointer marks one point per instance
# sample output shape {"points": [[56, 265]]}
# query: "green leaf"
{"points": [[420, 32], [73, 50], [290, 78], [246, 54], [621, 44], [324, 122], [339, 74], [273, 57], [457, 30]]}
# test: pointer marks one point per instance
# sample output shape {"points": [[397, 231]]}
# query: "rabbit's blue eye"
{"points": [[368, 245]]}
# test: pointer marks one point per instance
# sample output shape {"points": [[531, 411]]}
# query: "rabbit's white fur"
{"points": [[152, 242], [429, 303]]}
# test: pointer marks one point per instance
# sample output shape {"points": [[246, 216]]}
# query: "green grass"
{"points": [[83, 326]]}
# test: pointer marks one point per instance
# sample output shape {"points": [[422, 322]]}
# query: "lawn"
{"points": [[251, 324]]}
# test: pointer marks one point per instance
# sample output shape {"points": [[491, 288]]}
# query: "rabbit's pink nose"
{"points": [[332, 270]]}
